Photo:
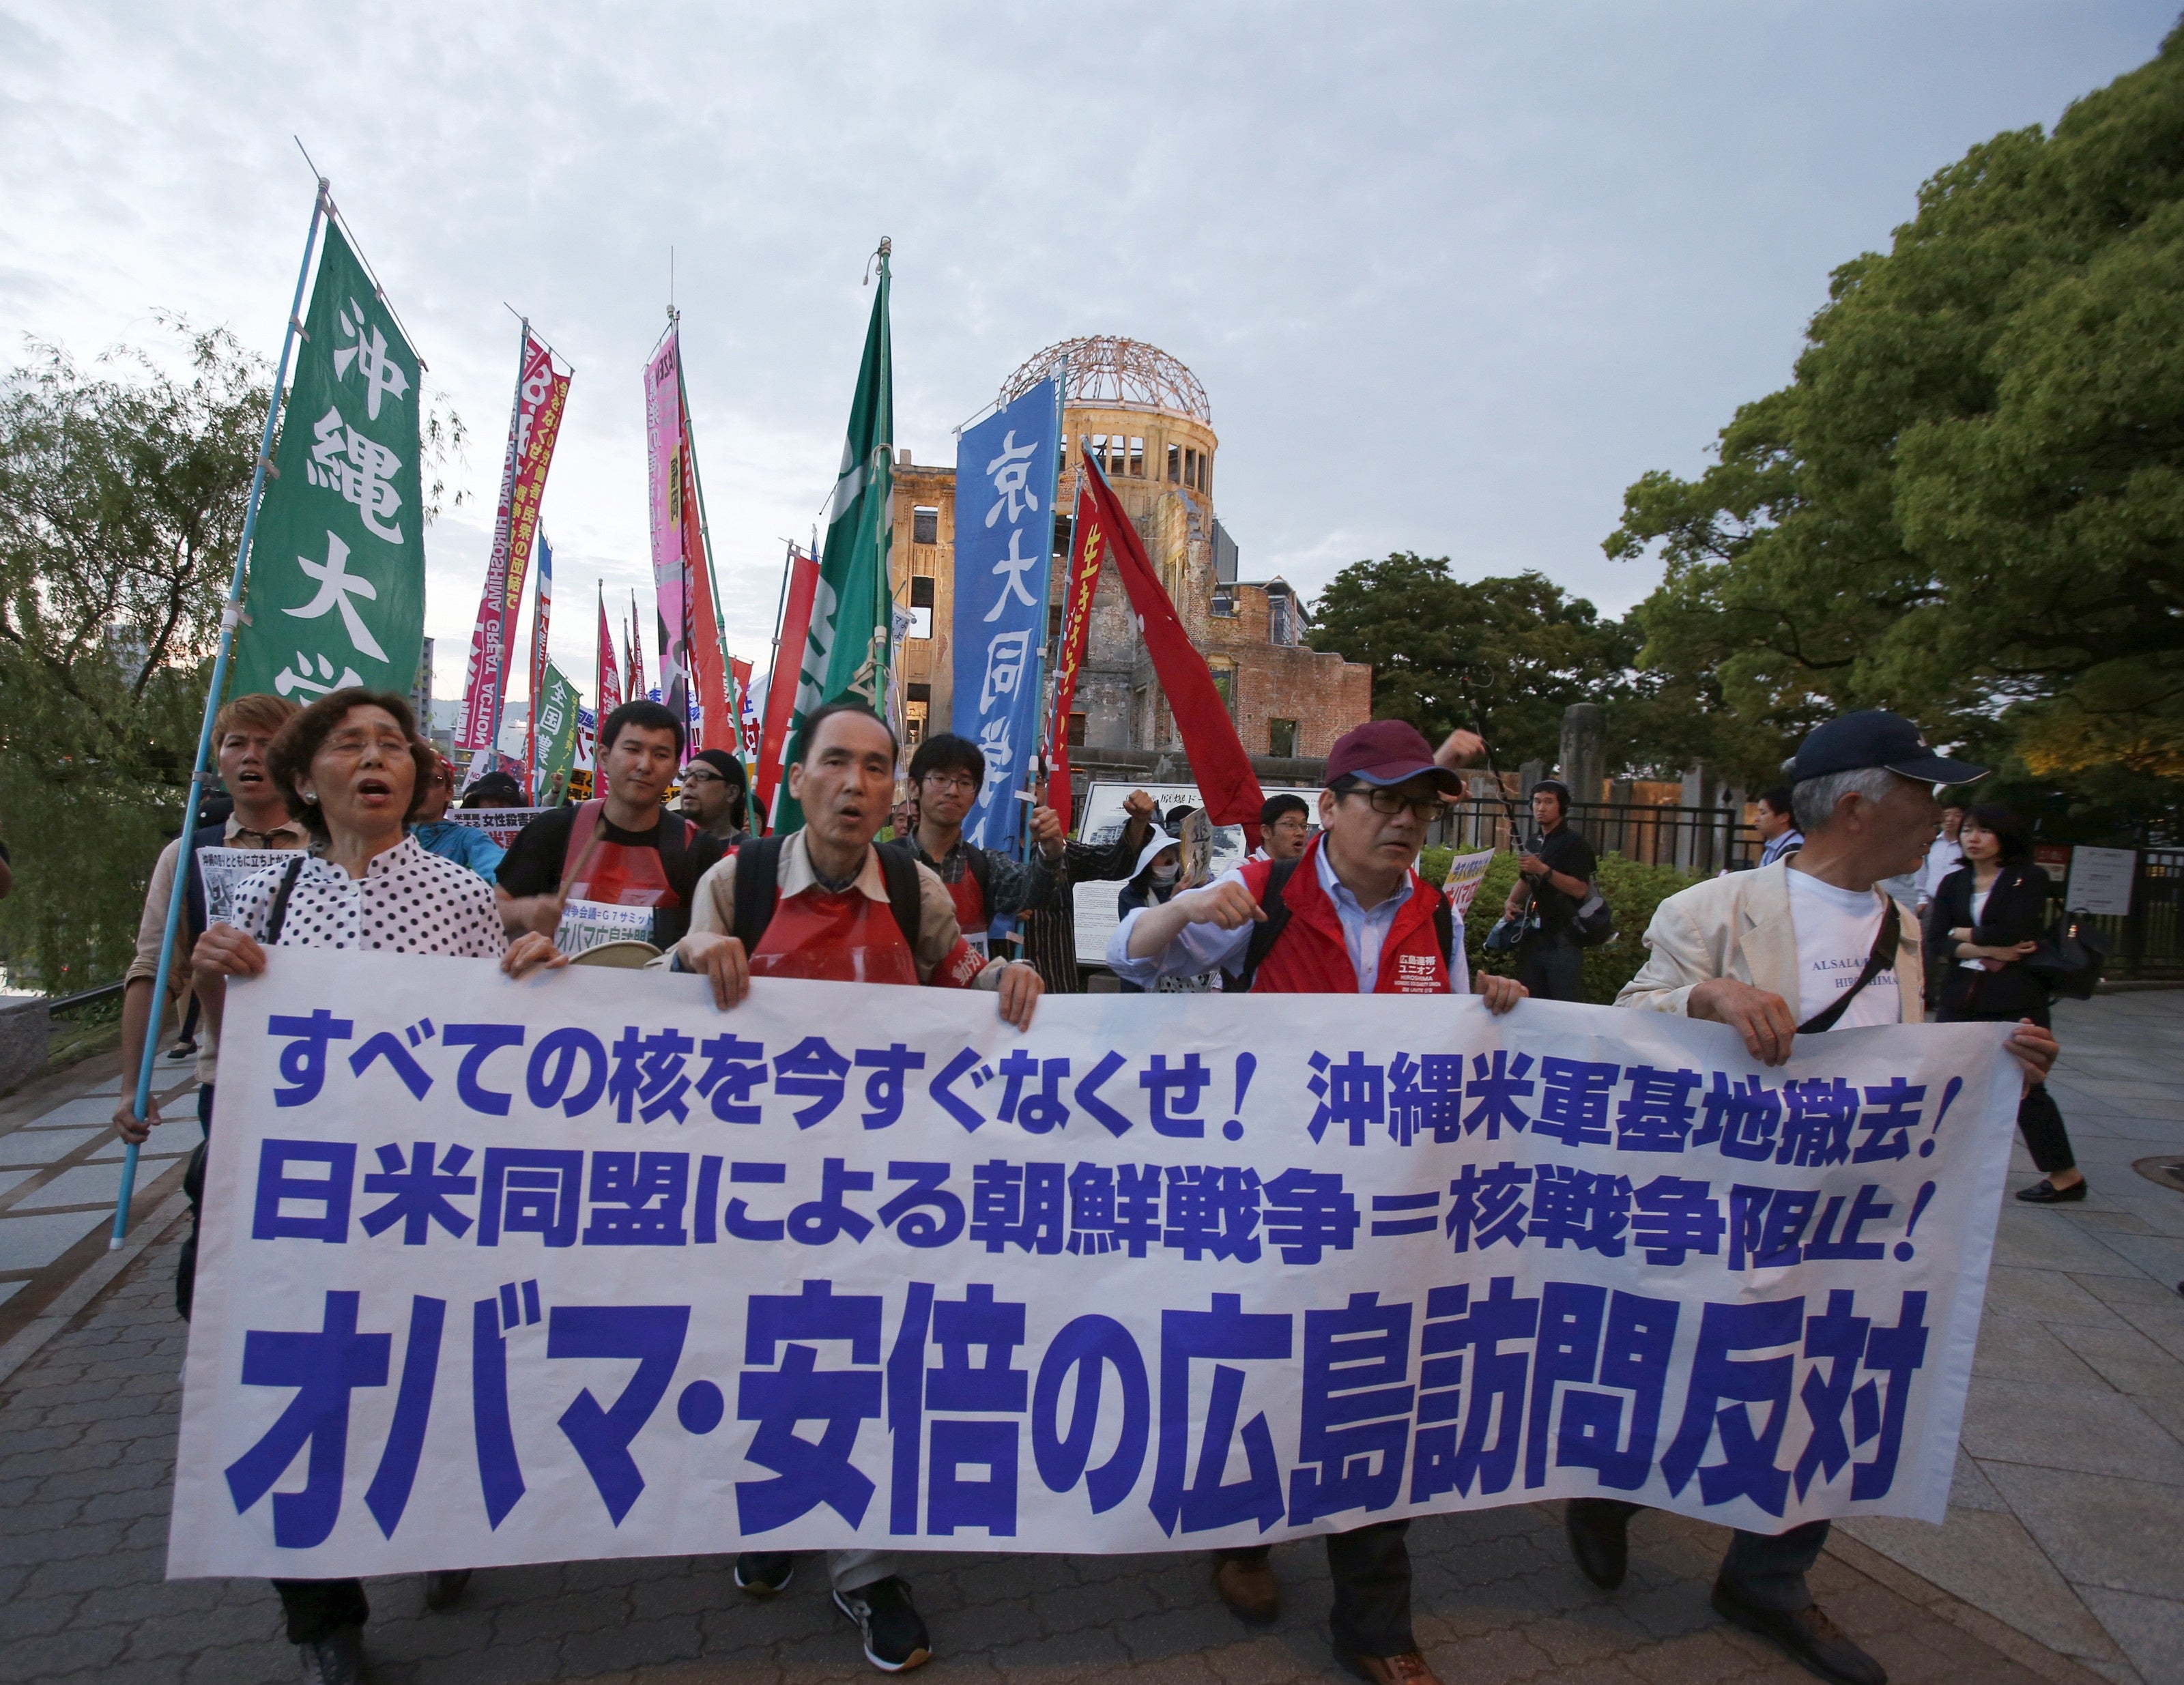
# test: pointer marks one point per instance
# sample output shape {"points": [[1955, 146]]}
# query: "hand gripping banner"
{"points": [[498, 1272]]}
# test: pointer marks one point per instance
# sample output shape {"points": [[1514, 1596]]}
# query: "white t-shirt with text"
{"points": [[1835, 930]]}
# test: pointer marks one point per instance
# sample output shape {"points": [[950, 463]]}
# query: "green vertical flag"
{"points": [[336, 589], [557, 736], [852, 615]]}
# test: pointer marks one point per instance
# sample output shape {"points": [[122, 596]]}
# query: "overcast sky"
{"points": [[1452, 274]]}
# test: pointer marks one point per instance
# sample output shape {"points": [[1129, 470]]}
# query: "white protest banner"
{"points": [[501, 824], [1460, 886], [497, 1272], [2101, 881]]}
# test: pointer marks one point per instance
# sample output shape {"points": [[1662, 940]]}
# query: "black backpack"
{"points": [[1275, 903], [758, 884]]}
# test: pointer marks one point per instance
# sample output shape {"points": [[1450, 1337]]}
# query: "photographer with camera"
{"points": [[1554, 881]]}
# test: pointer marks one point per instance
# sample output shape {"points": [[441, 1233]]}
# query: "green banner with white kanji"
{"points": [[557, 736], [336, 589]]}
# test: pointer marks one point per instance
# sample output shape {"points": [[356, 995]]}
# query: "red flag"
{"points": [[739, 672], [1086, 554], [609, 685], [1218, 765], [788, 667], [716, 725]]}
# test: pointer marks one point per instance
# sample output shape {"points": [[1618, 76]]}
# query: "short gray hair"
{"points": [[1813, 801]]}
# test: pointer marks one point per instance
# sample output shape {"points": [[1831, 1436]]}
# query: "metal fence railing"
{"points": [[1698, 842], [2148, 943]]}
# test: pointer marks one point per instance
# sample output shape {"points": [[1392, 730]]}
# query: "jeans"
{"points": [[1768, 1570], [1551, 968], [1371, 1567]]}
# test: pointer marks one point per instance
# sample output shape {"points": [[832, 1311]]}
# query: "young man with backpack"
{"points": [[946, 777], [1350, 915], [825, 902]]}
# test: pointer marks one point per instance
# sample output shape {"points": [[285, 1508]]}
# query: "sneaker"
{"points": [[762, 1573], [895, 1638], [337, 1660]]}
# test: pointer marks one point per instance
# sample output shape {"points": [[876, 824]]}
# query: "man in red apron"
{"points": [[823, 902], [625, 851], [1352, 914], [947, 778]]}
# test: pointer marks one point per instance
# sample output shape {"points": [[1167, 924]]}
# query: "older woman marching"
{"points": [[355, 771]]}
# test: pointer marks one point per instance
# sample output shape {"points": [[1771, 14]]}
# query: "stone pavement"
{"points": [[2067, 1517]]}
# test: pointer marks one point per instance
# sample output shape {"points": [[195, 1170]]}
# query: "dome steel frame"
{"points": [[1111, 372]]}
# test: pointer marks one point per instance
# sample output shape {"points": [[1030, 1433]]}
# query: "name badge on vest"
{"points": [[585, 925]]}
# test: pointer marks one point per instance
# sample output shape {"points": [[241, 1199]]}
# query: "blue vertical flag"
{"points": [[1005, 477]]}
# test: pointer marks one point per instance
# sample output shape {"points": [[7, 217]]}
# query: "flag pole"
{"points": [[230, 616]]}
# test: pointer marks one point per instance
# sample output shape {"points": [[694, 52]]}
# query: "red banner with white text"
{"points": [[1086, 554]]}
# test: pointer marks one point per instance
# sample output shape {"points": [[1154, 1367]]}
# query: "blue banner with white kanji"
{"points": [[580, 1266], [1005, 479]]}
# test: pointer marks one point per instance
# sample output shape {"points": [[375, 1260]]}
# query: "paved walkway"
{"points": [[2063, 1558]]}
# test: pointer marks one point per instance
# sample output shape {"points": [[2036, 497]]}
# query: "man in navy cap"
{"points": [[1807, 944], [1350, 915]]}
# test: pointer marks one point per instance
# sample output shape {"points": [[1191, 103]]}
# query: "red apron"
{"points": [[842, 937], [617, 874]]}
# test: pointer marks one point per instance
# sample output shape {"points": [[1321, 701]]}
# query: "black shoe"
{"points": [[762, 1573], [1807, 1633], [334, 1661], [2045, 1192], [1598, 1530], [895, 1638], [444, 1586], [181, 1050]]}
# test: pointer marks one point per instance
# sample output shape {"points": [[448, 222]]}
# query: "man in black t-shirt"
{"points": [[1556, 876], [624, 851]]}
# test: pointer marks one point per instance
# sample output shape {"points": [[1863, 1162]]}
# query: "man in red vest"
{"points": [[824, 902], [1350, 915], [947, 778]]}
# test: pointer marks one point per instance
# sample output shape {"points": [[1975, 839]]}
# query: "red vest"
{"points": [[613, 872], [1310, 956]]}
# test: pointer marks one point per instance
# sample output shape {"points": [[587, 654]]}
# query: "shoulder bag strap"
{"points": [[905, 898], [758, 876], [1275, 903], [278, 915], [1882, 957]]}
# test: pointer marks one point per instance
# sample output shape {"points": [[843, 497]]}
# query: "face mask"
{"points": [[1164, 876]]}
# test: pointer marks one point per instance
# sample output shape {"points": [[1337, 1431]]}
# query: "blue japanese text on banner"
{"points": [[1004, 473], [497, 1272]]}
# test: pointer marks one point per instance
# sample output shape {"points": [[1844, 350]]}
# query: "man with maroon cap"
{"points": [[1350, 915]]}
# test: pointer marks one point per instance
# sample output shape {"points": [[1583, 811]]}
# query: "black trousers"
{"points": [[2039, 1119], [1371, 1567], [317, 1609], [1551, 968], [1769, 1569]]}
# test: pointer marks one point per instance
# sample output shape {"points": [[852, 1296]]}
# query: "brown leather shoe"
{"points": [[1248, 1586], [1807, 1633], [1408, 1669]]}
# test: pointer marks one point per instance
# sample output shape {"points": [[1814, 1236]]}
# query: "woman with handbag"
{"points": [[1987, 916]]}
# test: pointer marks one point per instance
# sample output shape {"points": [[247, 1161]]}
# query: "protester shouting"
{"points": [[241, 732], [825, 902], [1987, 915], [1049, 933], [948, 774], [717, 795], [466, 845], [1815, 930], [353, 768], [622, 850], [1352, 914], [1284, 827]]}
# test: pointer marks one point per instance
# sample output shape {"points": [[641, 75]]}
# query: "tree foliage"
{"points": [[1968, 502], [122, 490], [1504, 656]]}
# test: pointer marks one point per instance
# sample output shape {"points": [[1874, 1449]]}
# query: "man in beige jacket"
{"points": [[1802, 946]]}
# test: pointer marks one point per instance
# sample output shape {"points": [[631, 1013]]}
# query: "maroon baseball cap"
{"points": [[1386, 752]]}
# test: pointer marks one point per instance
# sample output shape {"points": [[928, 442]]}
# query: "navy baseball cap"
{"points": [[1386, 752], [1872, 736]]}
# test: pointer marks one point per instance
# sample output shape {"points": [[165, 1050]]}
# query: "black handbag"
{"points": [[2069, 957]]}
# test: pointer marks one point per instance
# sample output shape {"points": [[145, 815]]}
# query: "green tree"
{"points": [[1503, 655], [1968, 502], [122, 499]]}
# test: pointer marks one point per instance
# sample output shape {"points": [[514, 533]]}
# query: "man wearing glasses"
{"points": [[1350, 915], [1284, 827], [946, 774]]}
